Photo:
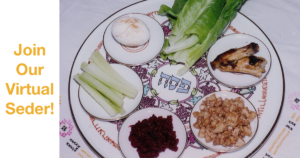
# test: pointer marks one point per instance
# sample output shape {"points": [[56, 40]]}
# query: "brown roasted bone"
{"points": [[241, 60]]}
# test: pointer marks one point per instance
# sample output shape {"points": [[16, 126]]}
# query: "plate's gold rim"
{"points": [[250, 154], [222, 151], [121, 117], [158, 53], [282, 98], [232, 86], [186, 137]]}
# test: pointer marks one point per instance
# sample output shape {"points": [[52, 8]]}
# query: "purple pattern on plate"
{"points": [[183, 112], [147, 102], [142, 72], [201, 63]]}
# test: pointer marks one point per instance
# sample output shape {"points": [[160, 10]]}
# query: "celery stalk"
{"points": [[110, 95], [96, 72], [100, 61], [100, 99], [118, 93]]}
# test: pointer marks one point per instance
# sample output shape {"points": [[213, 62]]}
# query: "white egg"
{"points": [[130, 31]]}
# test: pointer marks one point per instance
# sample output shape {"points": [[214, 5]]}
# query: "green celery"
{"points": [[96, 72], [99, 98], [90, 80], [100, 61]]}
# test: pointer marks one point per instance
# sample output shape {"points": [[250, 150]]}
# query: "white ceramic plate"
{"points": [[135, 55], [94, 109], [220, 148], [102, 136], [237, 80], [178, 127]]}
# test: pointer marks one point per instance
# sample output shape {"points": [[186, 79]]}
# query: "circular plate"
{"points": [[220, 148], [267, 96], [178, 127], [237, 80], [135, 55], [94, 109]]}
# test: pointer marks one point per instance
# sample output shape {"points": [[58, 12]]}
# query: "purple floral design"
{"points": [[167, 27], [183, 112], [201, 63], [142, 72], [191, 141], [191, 138], [166, 30], [147, 102], [206, 89]]}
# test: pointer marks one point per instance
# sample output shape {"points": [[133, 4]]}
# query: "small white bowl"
{"points": [[129, 105], [237, 80], [133, 56], [178, 127], [220, 148]]}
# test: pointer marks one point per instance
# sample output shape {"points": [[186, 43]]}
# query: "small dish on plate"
{"points": [[129, 105], [133, 56], [219, 148], [179, 128], [233, 79]]}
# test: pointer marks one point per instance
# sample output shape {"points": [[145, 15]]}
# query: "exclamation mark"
{"points": [[52, 108]]}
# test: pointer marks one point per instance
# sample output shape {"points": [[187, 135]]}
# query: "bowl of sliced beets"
{"points": [[152, 132]]}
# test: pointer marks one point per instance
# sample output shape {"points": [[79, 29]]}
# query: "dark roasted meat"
{"points": [[241, 60]]}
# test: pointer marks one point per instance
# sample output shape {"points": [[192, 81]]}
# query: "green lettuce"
{"points": [[172, 13], [205, 19], [197, 32], [186, 18]]}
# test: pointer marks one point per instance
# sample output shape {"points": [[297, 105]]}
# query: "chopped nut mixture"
{"points": [[225, 122]]}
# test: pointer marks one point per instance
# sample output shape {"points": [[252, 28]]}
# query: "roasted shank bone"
{"points": [[241, 60]]}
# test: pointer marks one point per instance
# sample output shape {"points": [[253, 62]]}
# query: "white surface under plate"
{"points": [[220, 148], [135, 55], [237, 80], [140, 115], [94, 109]]}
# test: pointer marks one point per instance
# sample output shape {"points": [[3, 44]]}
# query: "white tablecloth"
{"points": [[279, 19]]}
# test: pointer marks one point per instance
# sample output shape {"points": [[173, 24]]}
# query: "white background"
{"points": [[29, 22]]}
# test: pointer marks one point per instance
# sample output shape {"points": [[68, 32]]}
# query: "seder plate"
{"points": [[178, 94]]}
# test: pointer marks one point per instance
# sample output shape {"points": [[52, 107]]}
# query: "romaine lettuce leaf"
{"points": [[172, 13], [228, 13], [207, 20], [198, 31], [186, 18]]}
